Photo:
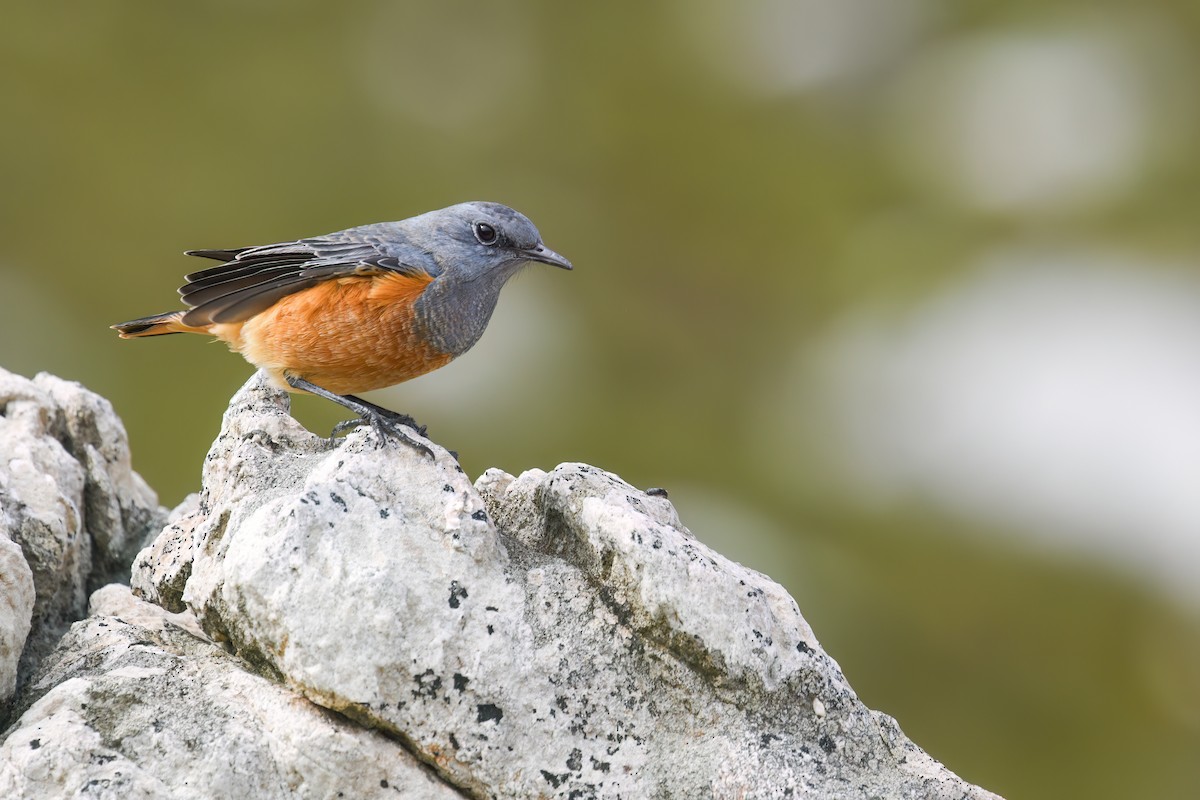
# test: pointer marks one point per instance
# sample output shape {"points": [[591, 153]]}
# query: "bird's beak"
{"points": [[546, 256]]}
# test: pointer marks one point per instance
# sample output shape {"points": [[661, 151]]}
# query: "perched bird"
{"points": [[362, 308]]}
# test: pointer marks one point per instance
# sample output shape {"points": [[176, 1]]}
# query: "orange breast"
{"points": [[347, 335]]}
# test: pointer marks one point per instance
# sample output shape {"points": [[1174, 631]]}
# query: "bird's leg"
{"points": [[386, 423]]}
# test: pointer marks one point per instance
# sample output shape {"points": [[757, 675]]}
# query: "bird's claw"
{"points": [[389, 420], [344, 426], [387, 428], [396, 418]]}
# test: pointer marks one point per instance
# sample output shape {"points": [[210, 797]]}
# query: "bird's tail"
{"points": [[157, 325]]}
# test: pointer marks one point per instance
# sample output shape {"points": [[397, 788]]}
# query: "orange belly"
{"points": [[347, 335]]}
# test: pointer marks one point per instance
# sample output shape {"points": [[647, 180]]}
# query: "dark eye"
{"points": [[485, 233]]}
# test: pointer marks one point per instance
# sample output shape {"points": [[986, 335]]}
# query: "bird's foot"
{"points": [[345, 426], [406, 420], [391, 427], [388, 426], [392, 417]]}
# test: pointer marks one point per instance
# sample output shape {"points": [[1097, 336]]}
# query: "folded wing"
{"points": [[252, 279]]}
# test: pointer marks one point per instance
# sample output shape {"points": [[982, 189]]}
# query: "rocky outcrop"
{"points": [[137, 703], [72, 513], [349, 616]]}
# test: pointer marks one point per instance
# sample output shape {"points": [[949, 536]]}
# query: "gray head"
{"points": [[476, 239]]}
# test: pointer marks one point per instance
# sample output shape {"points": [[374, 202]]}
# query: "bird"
{"points": [[360, 309]]}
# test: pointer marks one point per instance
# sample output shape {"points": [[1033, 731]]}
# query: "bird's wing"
{"points": [[252, 279]]}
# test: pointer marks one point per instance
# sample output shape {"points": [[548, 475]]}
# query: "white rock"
{"points": [[16, 611], [555, 634], [135, 706], [70, 501]]}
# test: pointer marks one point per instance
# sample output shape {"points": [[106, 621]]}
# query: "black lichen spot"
{"points": [[491, 630], [338, 499], [457, 593], [384, 513], [490, 608], [383, 784], [657, 491], [479, 516], [460, 682], [454, 742], [801, 647], [447, 487], [34, 744], [486, 712], [827, 743], [428, 684], [555, 780], [575, 762]]}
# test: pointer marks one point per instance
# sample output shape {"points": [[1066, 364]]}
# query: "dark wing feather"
{"points": [[245, 303], [218, 255], [252, 279], [200, 292]]}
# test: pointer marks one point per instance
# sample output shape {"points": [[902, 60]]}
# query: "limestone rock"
{"points": [[70, 501], [135, 704], [552, 634], [16, 611]]}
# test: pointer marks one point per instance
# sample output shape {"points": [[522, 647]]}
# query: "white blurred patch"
{"points": [[783, 46], [1026, 122], [1054, 393]]}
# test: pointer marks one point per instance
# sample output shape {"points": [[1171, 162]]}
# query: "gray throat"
{"points": [[452, 313]]}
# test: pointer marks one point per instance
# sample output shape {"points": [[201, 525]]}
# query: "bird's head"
{"points": [[477, 238]]}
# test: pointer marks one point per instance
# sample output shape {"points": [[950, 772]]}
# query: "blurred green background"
{"points": [[898, 298]]}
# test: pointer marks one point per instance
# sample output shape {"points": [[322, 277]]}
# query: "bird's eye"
{"points": [[486, 234]]}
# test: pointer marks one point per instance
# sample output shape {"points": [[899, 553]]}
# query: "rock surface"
{"points": [[16, 612], [135, 703], [72, 506], [553, 634]]}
